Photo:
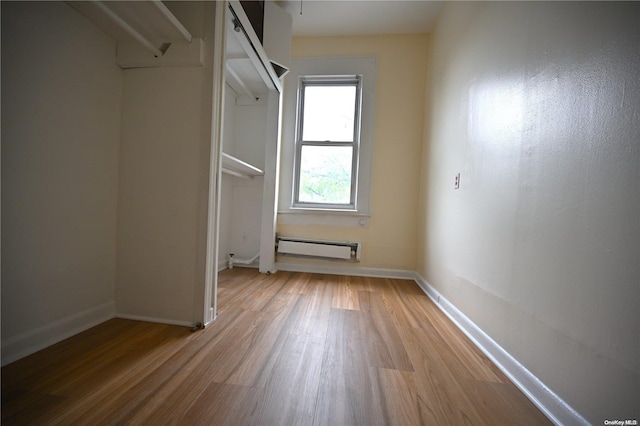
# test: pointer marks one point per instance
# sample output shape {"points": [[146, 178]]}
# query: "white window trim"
{"points": [[354, 144], [347, 65]]}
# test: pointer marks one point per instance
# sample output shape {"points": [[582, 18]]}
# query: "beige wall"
{"points": [[390, 239], [60, 133], [536, 105]]}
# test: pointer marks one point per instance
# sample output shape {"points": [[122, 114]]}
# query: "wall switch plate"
{"points": [[457, 182]]}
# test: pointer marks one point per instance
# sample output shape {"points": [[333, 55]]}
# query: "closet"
{"points": [[199, 148], [250, 138]]}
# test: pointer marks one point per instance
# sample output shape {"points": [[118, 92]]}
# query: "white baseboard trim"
{"points": [[155, 320], [345, 270], [25, 344], [554, 407]]}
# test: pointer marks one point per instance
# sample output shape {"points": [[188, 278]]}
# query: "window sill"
{"points": [[329, 217]]}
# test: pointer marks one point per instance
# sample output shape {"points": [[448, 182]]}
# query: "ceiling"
{"points": [[349, 17]]}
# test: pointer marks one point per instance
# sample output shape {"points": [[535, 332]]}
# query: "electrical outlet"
{"points": [[456, 184]]}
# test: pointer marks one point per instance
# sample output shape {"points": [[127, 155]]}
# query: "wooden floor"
{"points": [[286, 349]]}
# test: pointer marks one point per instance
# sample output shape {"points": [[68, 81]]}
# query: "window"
{"points": [[327, 142]]}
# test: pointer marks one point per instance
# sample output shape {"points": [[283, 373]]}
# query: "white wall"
{"points": [[157, 215], [536, 105], [60, 130], [246, 218], [240, 218], [250, 124]]}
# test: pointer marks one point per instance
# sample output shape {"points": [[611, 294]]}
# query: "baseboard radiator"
{"points": [[320, 249]]}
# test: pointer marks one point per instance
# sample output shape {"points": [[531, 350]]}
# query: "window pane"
{"points": [[325, 174], [329, 113]]}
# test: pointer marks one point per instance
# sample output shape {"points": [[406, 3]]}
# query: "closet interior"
{"points": [[250, 140]]}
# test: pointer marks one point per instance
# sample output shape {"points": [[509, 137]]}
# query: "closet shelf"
{"points": [[244, 79], [148, 22], [232, 166]]}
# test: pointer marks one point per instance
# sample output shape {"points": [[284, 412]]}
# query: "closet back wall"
{"points": [[241, 199]]}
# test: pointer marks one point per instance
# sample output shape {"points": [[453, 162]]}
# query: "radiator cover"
{"points": [[340, 250]]}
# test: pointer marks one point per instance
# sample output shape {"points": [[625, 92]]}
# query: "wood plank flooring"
{"points": [[286, 349]]}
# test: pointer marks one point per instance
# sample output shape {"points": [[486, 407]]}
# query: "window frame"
{"points": [[328, 65], [305, 81]]}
